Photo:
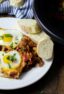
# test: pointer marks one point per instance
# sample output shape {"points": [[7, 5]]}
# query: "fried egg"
{"points": [[10, 37], [10, 60]]}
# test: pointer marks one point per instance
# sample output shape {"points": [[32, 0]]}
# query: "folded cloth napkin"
{"points": [[24, 11]]}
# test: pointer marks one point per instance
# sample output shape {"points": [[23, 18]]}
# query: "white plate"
{"points": [[30, 76]]}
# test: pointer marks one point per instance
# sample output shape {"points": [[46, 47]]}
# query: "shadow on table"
{"points": [[51, 75]]}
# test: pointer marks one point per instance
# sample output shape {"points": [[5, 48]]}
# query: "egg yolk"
{"points": [[7, 37], [6, 60]]}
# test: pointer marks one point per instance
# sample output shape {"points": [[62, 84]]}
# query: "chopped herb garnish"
{"points": [[7, 35], [3, 54], [9, 65], [11, 45], [27, 62], [15, 42], [22, 49], [1, 37], [12, 58]]}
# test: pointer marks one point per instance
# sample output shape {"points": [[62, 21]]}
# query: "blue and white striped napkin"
{"points": [[24, 11]]}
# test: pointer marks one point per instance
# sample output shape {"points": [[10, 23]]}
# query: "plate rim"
{"points": [[16, 88]]}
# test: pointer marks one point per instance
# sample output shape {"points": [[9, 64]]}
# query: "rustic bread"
{"points": [[29, 26], [44, 43], [45, 48], [16, 3]]}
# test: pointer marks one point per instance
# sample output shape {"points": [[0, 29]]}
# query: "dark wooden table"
{"points": [[52, 82]]}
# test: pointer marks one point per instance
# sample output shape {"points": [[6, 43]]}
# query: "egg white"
{"points": [[13, 64], [17, 36]]}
